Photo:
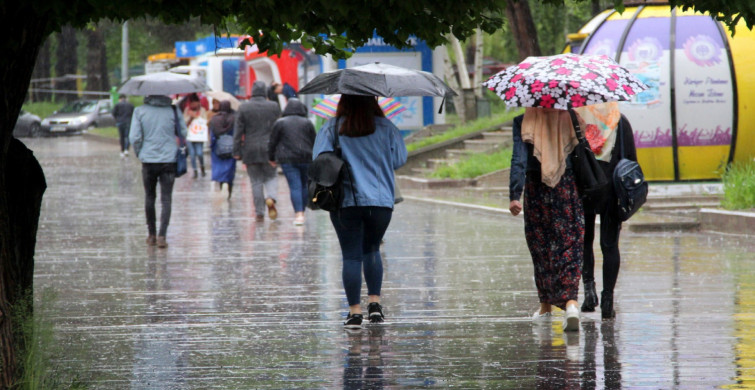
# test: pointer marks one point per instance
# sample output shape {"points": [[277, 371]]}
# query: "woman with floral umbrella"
{"points": [[541, 165]]}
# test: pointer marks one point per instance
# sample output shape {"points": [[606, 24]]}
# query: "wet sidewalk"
{"points": [[234, 304]]}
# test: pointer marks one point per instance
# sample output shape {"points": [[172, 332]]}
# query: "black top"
{"points": [[122, 112]]}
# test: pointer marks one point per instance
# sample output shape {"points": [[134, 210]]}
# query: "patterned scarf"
{"points": [[600, 122]]}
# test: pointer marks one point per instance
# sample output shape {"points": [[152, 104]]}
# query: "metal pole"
{"points": [[124, 52]]}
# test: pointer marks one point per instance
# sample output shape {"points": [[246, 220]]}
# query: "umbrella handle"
{"points": [[442, 104]]}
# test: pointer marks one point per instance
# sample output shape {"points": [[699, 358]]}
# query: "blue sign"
{"points": [[189, 49]]}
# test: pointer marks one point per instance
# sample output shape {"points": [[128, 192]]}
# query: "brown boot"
{"points": [[161, 243], [272, 212], [151, 240]]}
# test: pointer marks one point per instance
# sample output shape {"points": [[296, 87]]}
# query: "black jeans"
{"points": [[359, 231], [165, 174], [610, 227], [123, 129]]}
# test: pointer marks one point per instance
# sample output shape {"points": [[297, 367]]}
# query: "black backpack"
{"points": [[326, 174], [629, 184]]}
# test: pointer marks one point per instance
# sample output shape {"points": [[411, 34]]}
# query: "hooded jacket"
{"points": [[153, 130], [254, 123], [293, 136]]}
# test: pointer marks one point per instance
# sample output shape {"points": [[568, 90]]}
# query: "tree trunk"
{"points": [[21, 178], [67, 63], [453, 82], [523, 28], [97, 77], [42, 72], [595, 7], [478, 63]]}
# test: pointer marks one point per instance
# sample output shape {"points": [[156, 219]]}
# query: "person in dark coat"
{"points": [[252, 128], [122, 113], [290, 146], [223, 169], [605, 140], [554, 224]]}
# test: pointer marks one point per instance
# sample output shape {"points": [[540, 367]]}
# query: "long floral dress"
{"points": [[554, 226]]}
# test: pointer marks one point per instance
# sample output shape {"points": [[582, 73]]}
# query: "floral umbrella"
{"points": [[564, 81], [327, 107]]}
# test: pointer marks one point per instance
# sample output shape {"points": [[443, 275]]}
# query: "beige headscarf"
{"points": [[551, 133], [599, 123]]}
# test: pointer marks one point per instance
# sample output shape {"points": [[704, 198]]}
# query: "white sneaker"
{"points": [[125, 152], [571, 319], [537, 317], [122, 155]]}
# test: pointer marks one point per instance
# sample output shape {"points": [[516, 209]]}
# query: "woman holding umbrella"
{"points": [[373, 148], [554, 223]]}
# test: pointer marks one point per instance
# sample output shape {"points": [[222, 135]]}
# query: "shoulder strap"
{"points": [[621, 136], [337, 150], [177, 125], [577, 127]]}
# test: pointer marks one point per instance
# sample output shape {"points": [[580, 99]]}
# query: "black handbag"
{"points": [[592, 183], [325, 182], [629, 184], [181, 166]]}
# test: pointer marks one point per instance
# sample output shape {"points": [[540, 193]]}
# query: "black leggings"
{"points": [[165, 174], [610, 227]]}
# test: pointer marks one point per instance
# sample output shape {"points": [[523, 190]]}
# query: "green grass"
{"points": [[42, 109], [739, 186], [110, 132], [458, 131], [475, 165], [36, 330]]}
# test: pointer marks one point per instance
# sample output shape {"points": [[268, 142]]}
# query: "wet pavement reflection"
{"points": [[232, 303]]}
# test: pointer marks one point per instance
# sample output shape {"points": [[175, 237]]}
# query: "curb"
{"points": [[101, 138], [738, 222]]}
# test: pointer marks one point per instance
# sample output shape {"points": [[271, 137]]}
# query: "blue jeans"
{"points": [[123, 130], [296, 176], [195, 152], [359, 231]]}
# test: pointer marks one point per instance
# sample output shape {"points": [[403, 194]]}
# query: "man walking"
{"points": [[122, 113], [254, 123], [153, 134]]}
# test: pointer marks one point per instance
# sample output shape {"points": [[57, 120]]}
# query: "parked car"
{"points": [[80, 115], [27, 125]]}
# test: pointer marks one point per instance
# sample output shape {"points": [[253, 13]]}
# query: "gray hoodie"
{"points": [[153, 130], [254, 123]]}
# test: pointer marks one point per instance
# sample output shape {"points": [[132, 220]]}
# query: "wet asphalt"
{"points": [[237, 304]]}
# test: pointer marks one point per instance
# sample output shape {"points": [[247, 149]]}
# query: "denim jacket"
{"points": [[372, 160]]}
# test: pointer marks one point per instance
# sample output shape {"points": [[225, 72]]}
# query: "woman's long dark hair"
{"points": [[358, 115]]}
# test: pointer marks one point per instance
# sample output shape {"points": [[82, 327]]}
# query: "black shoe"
{"points": [[606, 305], [353, 321], [591, 298], [202, 167], [195, 173], [230, 190], [375, 313]]}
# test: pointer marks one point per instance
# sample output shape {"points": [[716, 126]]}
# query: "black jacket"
{"points": [[523, 161], [122, 112], [293, 136]]}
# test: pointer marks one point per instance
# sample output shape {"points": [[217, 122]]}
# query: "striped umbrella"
{"points": [[327, 107]]}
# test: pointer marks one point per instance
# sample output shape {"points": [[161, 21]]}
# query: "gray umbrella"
{"points": [[162, 83], [379, 80]]}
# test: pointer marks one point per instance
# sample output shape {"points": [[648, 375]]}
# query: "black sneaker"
{"points": [[375, 313], [353, 321]]}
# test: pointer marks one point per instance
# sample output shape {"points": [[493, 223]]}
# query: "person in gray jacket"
{"points": [[153, 136], [254, 123]]}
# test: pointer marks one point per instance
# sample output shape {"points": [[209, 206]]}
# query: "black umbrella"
{"points": [[379, 80]]}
